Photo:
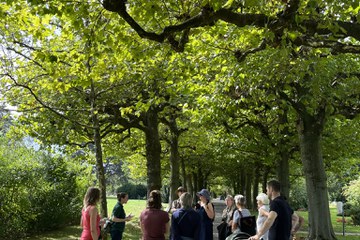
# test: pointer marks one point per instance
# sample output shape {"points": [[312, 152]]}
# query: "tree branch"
{"points": [[284, 20]]}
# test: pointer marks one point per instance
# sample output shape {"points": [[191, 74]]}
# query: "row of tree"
{"points": [[242, 91]]}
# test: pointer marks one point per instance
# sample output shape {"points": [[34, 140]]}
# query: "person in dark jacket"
{"points": [[185, 222], [119, 217]]}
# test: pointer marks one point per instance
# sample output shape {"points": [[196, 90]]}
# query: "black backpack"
{"points": [[247, 224]]}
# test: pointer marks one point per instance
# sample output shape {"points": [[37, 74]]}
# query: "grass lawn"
{"points": [[132, 229], [336, 222]]}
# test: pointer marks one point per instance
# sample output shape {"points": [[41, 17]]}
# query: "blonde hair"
{"points": [[262, 197]]}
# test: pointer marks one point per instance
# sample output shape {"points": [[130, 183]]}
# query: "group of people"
{"points": [[276, 220], [90, 218], [188, 222]]}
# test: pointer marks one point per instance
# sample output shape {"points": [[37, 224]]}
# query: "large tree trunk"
{"points": [[174, 159], [309, 129], [184, 175], [283, 173], [153, 150]]}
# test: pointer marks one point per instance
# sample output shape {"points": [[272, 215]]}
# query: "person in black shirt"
{"points": [[279, 220]]}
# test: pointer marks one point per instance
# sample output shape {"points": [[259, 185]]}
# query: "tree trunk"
{"points": [[283, 173], [249, 178], [98, 153], [265, 179], [255, 186], [101, 173], [184, 175], [189, 184], [309, 129], [242, 180], [153, 150], [174, 159]]}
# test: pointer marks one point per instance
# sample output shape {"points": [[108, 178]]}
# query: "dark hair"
{"points": [[154, 200], [121, 195], [275, 185], [92, 196]]}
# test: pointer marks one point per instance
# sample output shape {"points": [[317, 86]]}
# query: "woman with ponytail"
{"points": [[154, 221]]}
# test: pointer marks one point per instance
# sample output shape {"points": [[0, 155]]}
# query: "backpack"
{"points": [[107, 226], [247, 224]]}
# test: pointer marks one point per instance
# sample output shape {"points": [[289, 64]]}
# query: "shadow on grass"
{"points": [[67, 233], [132, 232]]}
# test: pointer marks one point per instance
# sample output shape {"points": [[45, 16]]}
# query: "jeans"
{"points": [[116, 234]]}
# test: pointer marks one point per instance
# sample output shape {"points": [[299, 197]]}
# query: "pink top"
{"points": [[154, 221], [86, 233]]}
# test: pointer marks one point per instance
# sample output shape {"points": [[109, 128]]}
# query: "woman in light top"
{"points": [[263, 208], [238, 214]]}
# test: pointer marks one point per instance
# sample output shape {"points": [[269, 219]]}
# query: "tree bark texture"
{"points": [[309, 129], [174, 159], [255, 186], [283, 173], [249, 178], [153, 150]]}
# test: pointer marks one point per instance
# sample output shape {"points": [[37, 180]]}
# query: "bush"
{"points": [[38, 192], [298, 195], [355, 215], [135, 191], [352, 194]]}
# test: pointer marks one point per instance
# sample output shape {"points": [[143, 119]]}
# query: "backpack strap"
{"points": [[181, 218], [241, 216]]}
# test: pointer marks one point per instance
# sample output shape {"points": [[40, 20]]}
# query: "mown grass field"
{"points": [[132, 230]]}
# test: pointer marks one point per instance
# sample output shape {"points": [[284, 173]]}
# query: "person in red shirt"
{"points": [[154, 222], [90, 218]]}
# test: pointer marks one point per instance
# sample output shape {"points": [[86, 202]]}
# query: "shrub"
{"points": [[355, 215], [38, 192], [135, 191], [298, 195], [352, 194]]}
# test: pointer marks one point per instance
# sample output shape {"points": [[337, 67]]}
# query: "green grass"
{"points": [[336, 222]]}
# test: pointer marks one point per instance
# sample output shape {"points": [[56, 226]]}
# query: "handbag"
{"points": [[224, 230]]}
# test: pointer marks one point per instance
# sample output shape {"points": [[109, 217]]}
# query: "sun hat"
{"points": [[180, 189], [205, 193], [263, 198]]}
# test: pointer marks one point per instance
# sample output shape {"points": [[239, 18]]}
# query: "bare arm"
{"points": [[233, 226], [209, 210], [93, 218], [81, 221], [167, 227], [264, 212], [126, 219]]}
